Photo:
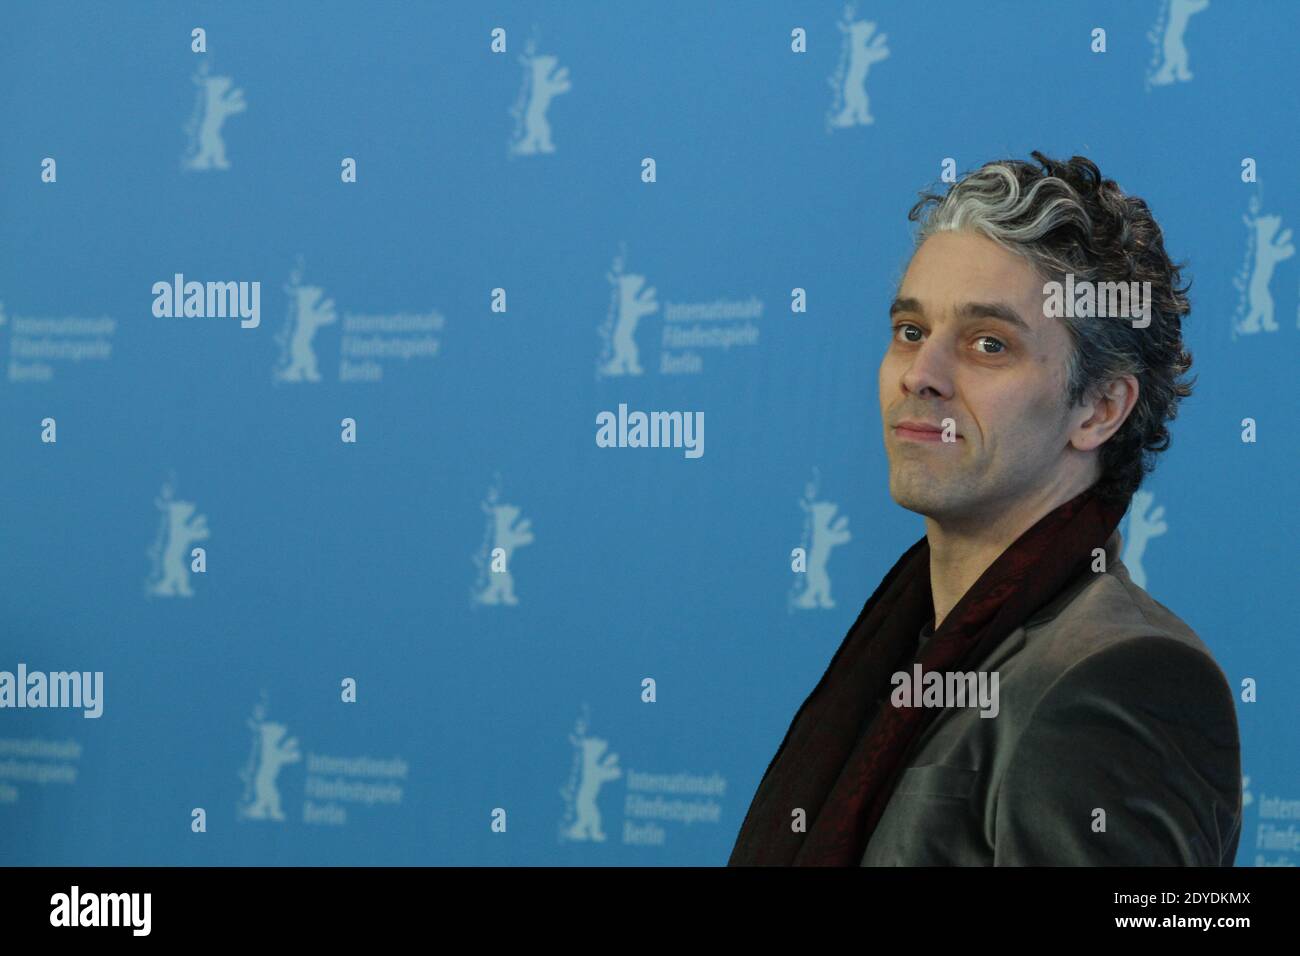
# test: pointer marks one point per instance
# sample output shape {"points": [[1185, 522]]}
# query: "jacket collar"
{"points": [[1114, 548]]}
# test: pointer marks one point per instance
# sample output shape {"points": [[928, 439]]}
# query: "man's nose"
{"points": [[930, 371]]}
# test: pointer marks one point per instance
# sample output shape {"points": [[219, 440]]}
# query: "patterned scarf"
{"points": [[841, 776]]}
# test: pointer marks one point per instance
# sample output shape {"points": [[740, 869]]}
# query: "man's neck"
{"points": [[961, 552]]}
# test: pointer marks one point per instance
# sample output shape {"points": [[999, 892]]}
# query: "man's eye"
{"points": [[988, 338], [907, 326]]}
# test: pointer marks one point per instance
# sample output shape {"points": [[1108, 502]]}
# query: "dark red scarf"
{"points": [[843, 777]]}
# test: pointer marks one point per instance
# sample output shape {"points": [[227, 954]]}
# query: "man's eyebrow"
{"points": [[969, 310], [905, 305]]}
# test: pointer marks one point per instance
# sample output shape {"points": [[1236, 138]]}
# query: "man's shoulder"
{"points": [[1111, 620], [1110, 645], [1117, 703]]}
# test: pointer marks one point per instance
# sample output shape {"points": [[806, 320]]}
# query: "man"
{"points": [[1020, 430]]}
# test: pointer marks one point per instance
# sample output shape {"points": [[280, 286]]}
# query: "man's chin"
{"points": [[929, 500]]}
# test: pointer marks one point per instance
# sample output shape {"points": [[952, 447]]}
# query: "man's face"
{"points": [[1002, 383]]}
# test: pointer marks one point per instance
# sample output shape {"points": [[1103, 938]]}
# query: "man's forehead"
{"points": [[970, 255], [967, 265]]}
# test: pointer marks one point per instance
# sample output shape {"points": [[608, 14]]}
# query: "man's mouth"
{"points": [[921, 431]]}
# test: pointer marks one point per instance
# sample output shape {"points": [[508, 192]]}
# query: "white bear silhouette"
{"points": [[1143, 525], [1174, 65], [545, 86], [181, 533], [861, 55], [274, 752], [1269, 251], [817, 592], [217, 105], [595, 772], [634, 304], [507, 536], [309, 314]]}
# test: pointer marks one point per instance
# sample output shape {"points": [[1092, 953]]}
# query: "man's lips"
{"points": [[921, 431]]}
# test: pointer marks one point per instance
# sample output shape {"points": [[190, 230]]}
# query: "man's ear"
{"points": [[1101, 415]]}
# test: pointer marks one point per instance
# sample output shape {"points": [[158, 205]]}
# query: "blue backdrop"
{"points": [[552, 210]]}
